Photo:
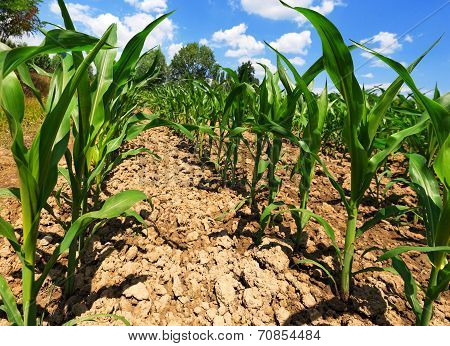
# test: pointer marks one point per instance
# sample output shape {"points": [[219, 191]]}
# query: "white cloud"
{"points": [[149, 5], [387, 43], [368, 75], [297, 61], [241, 45], [295, 43], [259, 70], [30, 39], [127, 27], [174, 49], [273, 9], [204, 42], [409, 38]]}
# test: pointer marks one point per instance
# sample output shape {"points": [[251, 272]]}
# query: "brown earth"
{"points": [[188, 268]]}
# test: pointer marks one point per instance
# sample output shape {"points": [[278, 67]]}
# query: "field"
{"points": [[227, 201], [199, 271]]}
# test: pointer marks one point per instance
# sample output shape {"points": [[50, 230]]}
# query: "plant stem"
{"points": [[255, 177], [427, 312], [300, 237], [275, 151], [349, 250], [72, 257], [28, 270]]}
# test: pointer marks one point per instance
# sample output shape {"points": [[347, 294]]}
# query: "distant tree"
{"points": [[18, 17], [194, 61], [147, 61], [246, 73]]}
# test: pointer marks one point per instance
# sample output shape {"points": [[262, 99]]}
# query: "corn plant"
{"points": [[103, 118], [316, 110], [360, 129], [433, 190], [37, 165]]}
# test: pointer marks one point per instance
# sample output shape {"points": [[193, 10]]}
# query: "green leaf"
{"points": [[43, 144], [10, 192], [377, 113], [443, 281], [56, 41], [410, 284], [338, 63], [270, 209], [376, 269], [442, 163], [402, 249], [9, 303], [392, 144], [113, 207], [440, 117], [7, 231], [427, 189], [94, 317], [12, 98], [317, 264], [131, 53]]}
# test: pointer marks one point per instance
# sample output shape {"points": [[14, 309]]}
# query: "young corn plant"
{"points": [[360, 129], [38, 165], [435, 210], [103, 118], [433, 190], [310, 142], [232, 125]]}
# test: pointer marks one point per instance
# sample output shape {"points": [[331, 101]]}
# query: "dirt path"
{"points": [[188, 268]]}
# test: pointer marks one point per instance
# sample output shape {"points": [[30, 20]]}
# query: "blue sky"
{"points": [[236, 30]]}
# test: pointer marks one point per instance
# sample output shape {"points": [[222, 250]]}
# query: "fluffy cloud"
{"points": [[297, 61], [241, 44], [259, 70], [386, 43], [295, 43], [174, 49], [149, 5], [127, 26], [273, 9]]}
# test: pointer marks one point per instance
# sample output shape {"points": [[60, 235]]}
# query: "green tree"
{"points": [[18, 17], [147, 61], [246, 73], [194, 61]]}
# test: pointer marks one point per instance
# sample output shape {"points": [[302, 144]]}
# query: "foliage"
{"points": [[146, 63], [369, 125], [100, 118], [194, 61], [18, 17], [246, 73]]}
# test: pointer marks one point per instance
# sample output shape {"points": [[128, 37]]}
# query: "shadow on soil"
{"points": [[366, 302]]}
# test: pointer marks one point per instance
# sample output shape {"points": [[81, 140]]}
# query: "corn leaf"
{"points": [[402, 249], [427, 189], [9, 303], [410, 285], [113, 207], [440, 117]]}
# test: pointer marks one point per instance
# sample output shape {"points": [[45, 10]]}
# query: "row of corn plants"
{"points": [[369, 126], [98, 116]]}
